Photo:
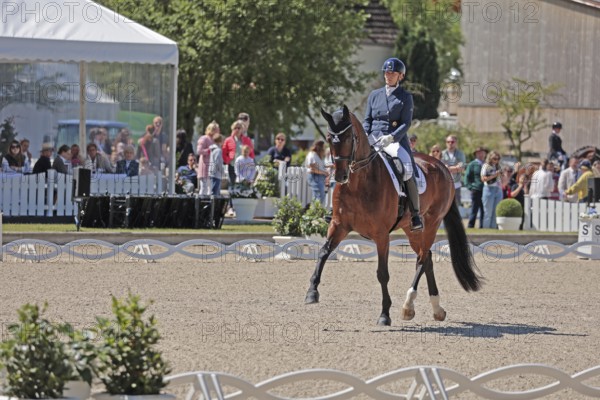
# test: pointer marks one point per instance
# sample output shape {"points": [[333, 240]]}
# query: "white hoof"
{"points": [[408, 314], [439, 315]]}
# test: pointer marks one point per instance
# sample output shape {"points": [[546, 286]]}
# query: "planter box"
{"points": [[508, 223], [244, 208], [589, 231], [77, 390], [266, 208], [106, 396]]}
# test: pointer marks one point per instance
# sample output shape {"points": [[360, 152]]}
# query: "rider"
{"points": [[555, 143], [387, 119]]}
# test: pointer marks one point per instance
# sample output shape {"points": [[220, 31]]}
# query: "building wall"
{"points": [[549, 41]]}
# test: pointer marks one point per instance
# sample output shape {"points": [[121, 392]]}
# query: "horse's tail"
{"points": [[460, 253]]}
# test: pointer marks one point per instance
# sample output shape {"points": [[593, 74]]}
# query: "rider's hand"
{"points": [[386, 140]]}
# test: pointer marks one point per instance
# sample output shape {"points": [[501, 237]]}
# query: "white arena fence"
{"points": [[36, 195], [421, 382], [93, 250]]}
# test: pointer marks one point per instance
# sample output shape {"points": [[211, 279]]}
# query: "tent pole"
{"points": [[82, 130], [173, 115]]}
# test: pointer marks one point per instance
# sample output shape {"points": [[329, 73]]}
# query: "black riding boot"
{"points": [[416, 223]]}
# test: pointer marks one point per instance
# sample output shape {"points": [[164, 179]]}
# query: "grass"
{"points": [[70, 228]]}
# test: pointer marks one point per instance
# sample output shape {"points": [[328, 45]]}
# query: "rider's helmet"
{"points": [[393, 65], [557, 125]]}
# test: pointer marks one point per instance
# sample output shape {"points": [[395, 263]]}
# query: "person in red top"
{"points": [[232, 148]]}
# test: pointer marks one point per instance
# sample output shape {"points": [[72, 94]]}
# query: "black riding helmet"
{"points": [[557, 125]]}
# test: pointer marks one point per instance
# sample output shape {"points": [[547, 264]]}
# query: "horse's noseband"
{"points": [[335, 139]]}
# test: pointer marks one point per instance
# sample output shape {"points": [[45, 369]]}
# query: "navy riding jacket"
{"points": [[384, 114]]}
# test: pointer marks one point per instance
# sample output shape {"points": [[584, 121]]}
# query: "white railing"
{"points": [[552, 215], [38, 195], [426, 382], [293, 182]]}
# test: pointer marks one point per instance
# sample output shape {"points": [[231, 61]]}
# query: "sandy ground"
{"points": [[249, 318]]}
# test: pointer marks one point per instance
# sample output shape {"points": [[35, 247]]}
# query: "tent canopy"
{"points": [[77, 31]]}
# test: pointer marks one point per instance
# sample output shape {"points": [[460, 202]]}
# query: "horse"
{"points": [[365, 201]]}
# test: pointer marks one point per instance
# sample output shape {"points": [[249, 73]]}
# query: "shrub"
{"points": [[313, 221], [128, 362], [286, 221], [509, 208], [267, 182], [35, 359]]}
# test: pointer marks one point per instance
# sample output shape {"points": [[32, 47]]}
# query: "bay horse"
{"points": [[365, 201]]}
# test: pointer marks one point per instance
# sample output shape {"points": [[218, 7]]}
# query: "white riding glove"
{"points": [[386, 140]]}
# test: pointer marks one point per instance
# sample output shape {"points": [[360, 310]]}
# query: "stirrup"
{"points": [[416, 223]]}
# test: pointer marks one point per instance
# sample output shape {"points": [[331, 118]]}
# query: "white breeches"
{"points": [[395, 150]]}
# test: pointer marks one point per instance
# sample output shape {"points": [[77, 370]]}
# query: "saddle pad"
{"points": [[421, 182]]}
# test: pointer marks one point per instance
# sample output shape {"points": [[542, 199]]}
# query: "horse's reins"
{"points": [[354, 165]]}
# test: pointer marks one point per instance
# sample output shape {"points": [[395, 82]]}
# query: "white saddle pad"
{"points": [[421, 181]]}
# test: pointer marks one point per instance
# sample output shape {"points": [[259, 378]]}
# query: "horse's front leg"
{"points": [[383, 276], [408, 308], [335, 235], [439, 314]]}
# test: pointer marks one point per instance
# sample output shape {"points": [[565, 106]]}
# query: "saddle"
{"points": [[398, 170]]}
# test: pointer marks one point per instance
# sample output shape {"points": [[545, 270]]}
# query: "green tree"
{"points": [[274, 60], [422, 78], [7, 134], [521, 105]]}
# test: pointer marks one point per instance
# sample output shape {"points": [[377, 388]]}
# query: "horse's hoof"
{"points": [[440, 315], [384, 320], [408, 314], [312, 297]]}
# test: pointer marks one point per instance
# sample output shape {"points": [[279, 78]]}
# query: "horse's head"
{"points": [[342, 142]]}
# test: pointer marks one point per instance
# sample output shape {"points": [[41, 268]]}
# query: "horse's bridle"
{"points": [[353, 165]]}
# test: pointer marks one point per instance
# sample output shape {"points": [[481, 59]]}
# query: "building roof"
{"points": [[380, 26]]}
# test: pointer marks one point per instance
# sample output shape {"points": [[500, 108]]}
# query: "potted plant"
{"points": [[267, 186], [312, 224], [286, 223], [245, 200], [508, 214], [35, 359], [128, 364]]}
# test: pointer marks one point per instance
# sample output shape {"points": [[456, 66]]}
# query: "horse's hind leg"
{"points": [[439, 314], [312, 295]]}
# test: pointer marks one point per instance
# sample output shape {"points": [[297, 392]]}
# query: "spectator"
{"points": [[215, 169], [581, 186], [183, 148], [129, 166], [25, 151], [232, 147], [542, 181], [506, 180], [316, 170], [474, 183], [14, 161], [556, 151], [203, 147], [567, 178], [245, 118], [186, 175], [412, 139], [149, 148], [123, 139], [43, 163], [101, 140], [455, 161], [280, 153], [435, 152], [162, 137], [518, 190], [145, 167], [76, 160], [62, 163], [96, 161], [596, 169], [492, 194], [245, 169]]}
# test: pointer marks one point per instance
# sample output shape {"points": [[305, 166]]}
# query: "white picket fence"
{"points": [[38, 195], [293, 182], [553, 216]]}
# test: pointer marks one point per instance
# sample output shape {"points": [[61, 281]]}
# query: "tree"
{"points": [[7, 134], [520, 104], [423, 74], [274, 60]]}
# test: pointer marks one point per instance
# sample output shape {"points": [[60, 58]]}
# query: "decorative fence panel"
{"points": [[38, 195], [552, 215]]}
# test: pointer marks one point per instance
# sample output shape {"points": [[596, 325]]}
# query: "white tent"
{"points": [[83, 31]]}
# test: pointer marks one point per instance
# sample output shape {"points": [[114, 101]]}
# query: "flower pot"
{"points": [[107, 396], [244, 208], [77, 390], [508, 223], [266, 208], [589, 231]]}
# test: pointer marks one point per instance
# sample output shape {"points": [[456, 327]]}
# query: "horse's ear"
{"points": [[346, 112], [327, 117]]}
